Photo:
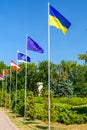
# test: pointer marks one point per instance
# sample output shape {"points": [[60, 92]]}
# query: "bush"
{"points": [[19, 103], [30, 106], [71, 101], [39, 100], [69, 115], [39, 109], [45, 108]]}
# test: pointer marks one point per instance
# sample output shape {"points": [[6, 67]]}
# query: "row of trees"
{"points": [[68, 78]]}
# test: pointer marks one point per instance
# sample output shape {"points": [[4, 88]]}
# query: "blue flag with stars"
{"points": [[32, 45]]}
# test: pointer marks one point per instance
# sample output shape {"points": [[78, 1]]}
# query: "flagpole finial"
{"points": [[26, 35]]}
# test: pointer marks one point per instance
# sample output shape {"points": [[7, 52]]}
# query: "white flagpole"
{"points": [[16, 90], [2, 93], [48, 71], [6, 86], [10, 90], [25, 84]]}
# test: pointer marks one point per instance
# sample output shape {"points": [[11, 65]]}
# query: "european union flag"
{"points": [[58, 20], [22, 57], [32, 45]]}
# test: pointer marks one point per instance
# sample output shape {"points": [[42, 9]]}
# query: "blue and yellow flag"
{"points": [[58, 20]]}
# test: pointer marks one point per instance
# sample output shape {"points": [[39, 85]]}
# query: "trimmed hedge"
{"points": [[75, 101], [68, 114]]}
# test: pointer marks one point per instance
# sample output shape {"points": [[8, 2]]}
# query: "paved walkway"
{"points": [[5, 123]]}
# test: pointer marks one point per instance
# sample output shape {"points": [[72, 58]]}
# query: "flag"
{"points": [[6, 73], [1, 77], [32, 45], [58, 20], [14, 65], [22, 57]]}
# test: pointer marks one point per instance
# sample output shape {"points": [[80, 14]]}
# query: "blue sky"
{"points": [[21, 17]]}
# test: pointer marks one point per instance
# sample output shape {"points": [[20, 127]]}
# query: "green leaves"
{"points": [[30, 107]]}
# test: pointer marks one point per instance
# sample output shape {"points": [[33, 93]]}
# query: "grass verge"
{"points": [[39, 125]]}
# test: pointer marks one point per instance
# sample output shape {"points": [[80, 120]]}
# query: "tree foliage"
{"points": [[83, 57], [45, 109], [30, 107]]}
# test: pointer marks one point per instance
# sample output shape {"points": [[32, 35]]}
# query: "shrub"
{"points": [[39, 100], [39, 109], [45, 109], [69, 115], [71, 101], [30, 107]]}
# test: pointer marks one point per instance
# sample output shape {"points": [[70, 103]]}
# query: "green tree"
{"points": [[30, 107], [65, 88], [2, 67], [42, 73], [32, 78], [62, 78], [7, 100], [83, 57], [45, 109], [80, 80], [19, 103]]}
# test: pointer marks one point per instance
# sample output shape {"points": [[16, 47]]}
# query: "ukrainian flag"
{"points": [[58, 20]]}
